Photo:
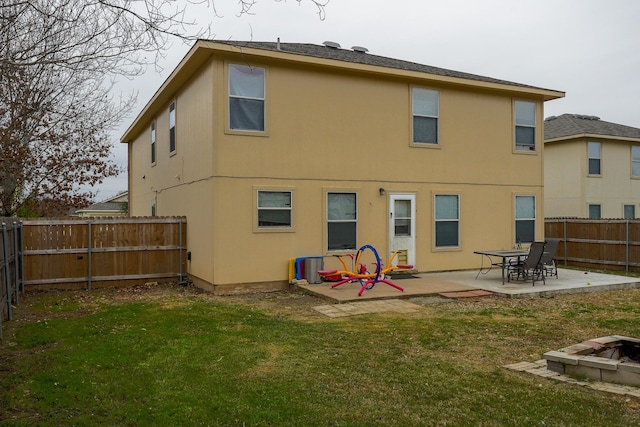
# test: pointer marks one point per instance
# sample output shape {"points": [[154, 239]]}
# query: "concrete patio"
{"points": [[428, 284]]}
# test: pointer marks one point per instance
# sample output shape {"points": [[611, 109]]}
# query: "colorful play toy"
{"points": [[367, 280]]}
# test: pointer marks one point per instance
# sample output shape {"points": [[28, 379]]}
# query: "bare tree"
{"points": [[58, 59]]}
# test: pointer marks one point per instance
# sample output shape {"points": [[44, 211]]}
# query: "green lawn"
{"points": [[170, 355]]}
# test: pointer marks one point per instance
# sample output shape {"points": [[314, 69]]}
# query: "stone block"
{"points": [[599, 363], [558, 356], [581, 371]]}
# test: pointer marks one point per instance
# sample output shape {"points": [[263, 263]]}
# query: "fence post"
{"points": [[564, 240], [21, 244], [89, 255], [5, 261], [627, 249], [15, 261]]}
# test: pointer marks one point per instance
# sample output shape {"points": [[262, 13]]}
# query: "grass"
{"points": [[170, 355]]}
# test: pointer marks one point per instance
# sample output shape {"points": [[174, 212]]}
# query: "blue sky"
{"points": [[589, 49]]}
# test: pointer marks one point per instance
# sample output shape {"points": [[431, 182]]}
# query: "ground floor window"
{"points": [[629, 211], [274, 209], [342, 220], [595, 211], [447, 220], [525, 219]]}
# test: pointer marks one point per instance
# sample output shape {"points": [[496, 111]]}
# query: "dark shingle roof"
{"points": [[349, 55], [569, 125]]}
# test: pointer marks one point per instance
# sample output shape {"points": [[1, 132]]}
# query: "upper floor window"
{"points": [[172, 127], [342, 220], [525, 219], [447, 218], [595, 211], [425, 115], [246, 98], [595, 154], [525, 125], [274, 209], [153, 141], [635, 161]]}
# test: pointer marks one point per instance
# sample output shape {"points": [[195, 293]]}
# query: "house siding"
{"points": [[330, 130]]}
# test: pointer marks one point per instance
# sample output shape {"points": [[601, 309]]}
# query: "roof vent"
{"points": [[360, 49], [585, 117], [332, 45]]}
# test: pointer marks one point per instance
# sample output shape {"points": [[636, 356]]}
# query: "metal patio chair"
{"points": [[549, 264], [531, 268]]}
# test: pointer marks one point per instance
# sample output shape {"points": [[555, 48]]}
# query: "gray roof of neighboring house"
{"points": [[354, 56], [572, 125], [106, 206]]}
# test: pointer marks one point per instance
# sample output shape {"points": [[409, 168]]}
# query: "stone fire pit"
{"points": [[613, 359]]}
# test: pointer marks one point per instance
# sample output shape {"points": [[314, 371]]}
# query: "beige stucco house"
{"points": [[279, 150], [592, 168]]}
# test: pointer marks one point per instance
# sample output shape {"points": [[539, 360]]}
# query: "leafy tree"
{"points": [[58, 62]]}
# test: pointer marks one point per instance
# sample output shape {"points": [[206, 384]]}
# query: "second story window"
{"points": [[172, 127], [425, 115], [635, 161], [246, 98], [153, 141], [525, 132], [595, 152]]}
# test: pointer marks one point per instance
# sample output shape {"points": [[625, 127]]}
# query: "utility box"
{"points": [[311, 267]]}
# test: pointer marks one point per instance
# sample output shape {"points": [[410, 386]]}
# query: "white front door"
{"points": [[402, 228]]}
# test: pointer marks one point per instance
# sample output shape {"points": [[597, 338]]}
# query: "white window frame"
{"points": [[337, 221], [415, 92], [437, 221], [594, 205], [263, 99], [153, 142], [173, 146], [635, 161], [289, 209], [632, 209], [525, 123], [517, 219], [591, 144]]}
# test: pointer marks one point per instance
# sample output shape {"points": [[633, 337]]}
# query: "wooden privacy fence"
{"points": [[11, 268], [597, 243], [99, 252]]}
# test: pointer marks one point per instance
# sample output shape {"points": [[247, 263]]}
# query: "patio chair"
{"points": [[531, 268], [549, 265]]}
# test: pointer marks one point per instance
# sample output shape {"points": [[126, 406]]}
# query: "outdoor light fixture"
{"points": [[381, 191]]}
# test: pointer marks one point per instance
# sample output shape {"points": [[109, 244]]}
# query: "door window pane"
{"points": [[402, 217]]}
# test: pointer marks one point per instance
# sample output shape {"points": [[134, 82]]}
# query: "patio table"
{"points": [[505, 254]]}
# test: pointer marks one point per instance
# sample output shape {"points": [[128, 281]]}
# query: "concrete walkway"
{"points": [[569, 281]]}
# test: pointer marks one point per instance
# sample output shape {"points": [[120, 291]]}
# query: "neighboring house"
{"points": [[592, 168], [274, 151], [114, 206]]}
